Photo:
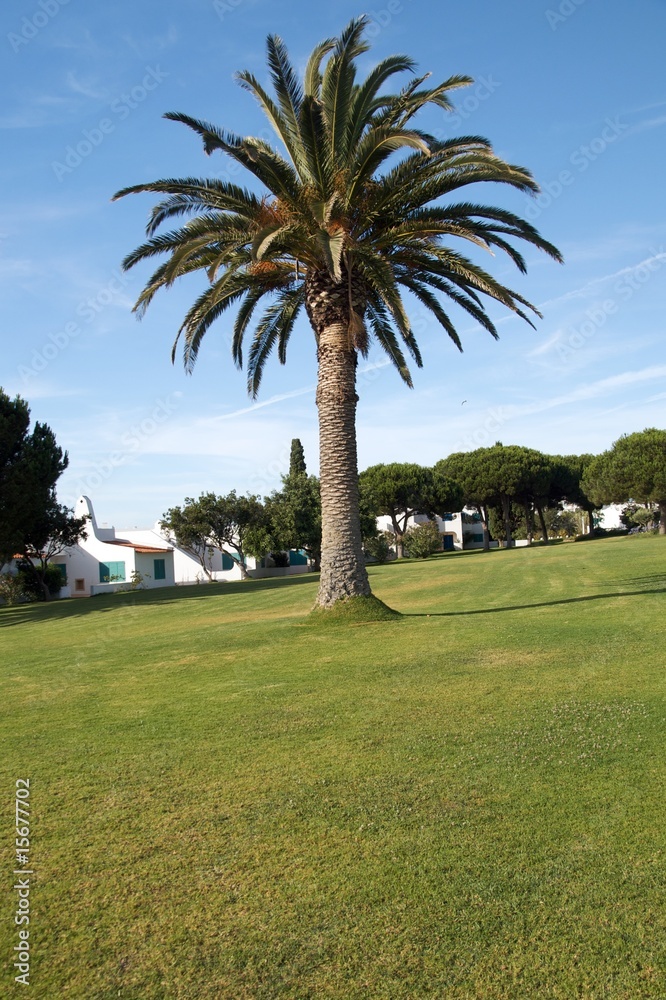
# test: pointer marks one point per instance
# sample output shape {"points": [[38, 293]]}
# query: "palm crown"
{"points": [[336, 227]]}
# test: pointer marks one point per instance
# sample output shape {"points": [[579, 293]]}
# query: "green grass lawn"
{"points": [[231, 801]]}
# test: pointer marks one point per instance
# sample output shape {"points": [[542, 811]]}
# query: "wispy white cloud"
{"points": [[148, 46], [38, 110], [85, 87], [590, 286], [592, 390], [42, 390], [11, 269], [546, 345], [278, 398], [649, 123]]}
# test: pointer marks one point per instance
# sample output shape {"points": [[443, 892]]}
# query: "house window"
{"points": [[63, 572], [159, 569], [297, 557], [79, 585], [111, 572], [227, 561]]}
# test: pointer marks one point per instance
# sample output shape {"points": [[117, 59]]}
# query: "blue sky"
{"points": [[572, 89]]}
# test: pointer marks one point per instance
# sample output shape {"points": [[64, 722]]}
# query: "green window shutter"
{"points": [[63, 572], [159, 569], [297, 557], [111, 572], [227, 561]]}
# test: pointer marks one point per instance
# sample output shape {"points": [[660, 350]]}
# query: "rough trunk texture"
{"points": [[343, 572]]}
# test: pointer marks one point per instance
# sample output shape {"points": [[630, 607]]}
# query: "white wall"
{"points": [[453, 527]]}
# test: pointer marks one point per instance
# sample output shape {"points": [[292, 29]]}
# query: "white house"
{"points": [[459, 530], [105, 561]]}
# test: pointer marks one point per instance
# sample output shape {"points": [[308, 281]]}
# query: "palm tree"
{"points": [[340, 231]]}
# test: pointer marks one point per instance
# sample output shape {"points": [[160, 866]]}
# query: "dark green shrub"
{"points": [[379, 547], [422, 540], [31, 586]]}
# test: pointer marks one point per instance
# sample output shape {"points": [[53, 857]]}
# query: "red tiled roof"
{"points": [[138, 547]]}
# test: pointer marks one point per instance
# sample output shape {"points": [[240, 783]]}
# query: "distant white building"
{"points": [[459, 531], [105, 561], [609, 517]]}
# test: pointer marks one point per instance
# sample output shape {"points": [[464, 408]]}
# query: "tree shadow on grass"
{"points": [[78, 607], [529, 607]]}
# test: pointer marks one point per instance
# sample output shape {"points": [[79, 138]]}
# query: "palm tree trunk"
{"points": [[343, 572]]}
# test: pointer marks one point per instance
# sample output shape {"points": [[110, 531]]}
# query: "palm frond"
{"points": [[285, 82], [274, 327], [385, 337], [313, 76], [354, 190]]}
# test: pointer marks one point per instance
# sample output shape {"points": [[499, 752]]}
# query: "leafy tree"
{"points": [[32, 522], [188, 527], [378, 546], [563, 523], [237, 525], [534, 487], [234, 524], [297, 458], [422, 540], [50, 534], [492, 479], [468, 470], [293, 514], [505, 522], [634, 516], [14, 438], [633, 469], [402, 489], [354, 208], [567, 483]]}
